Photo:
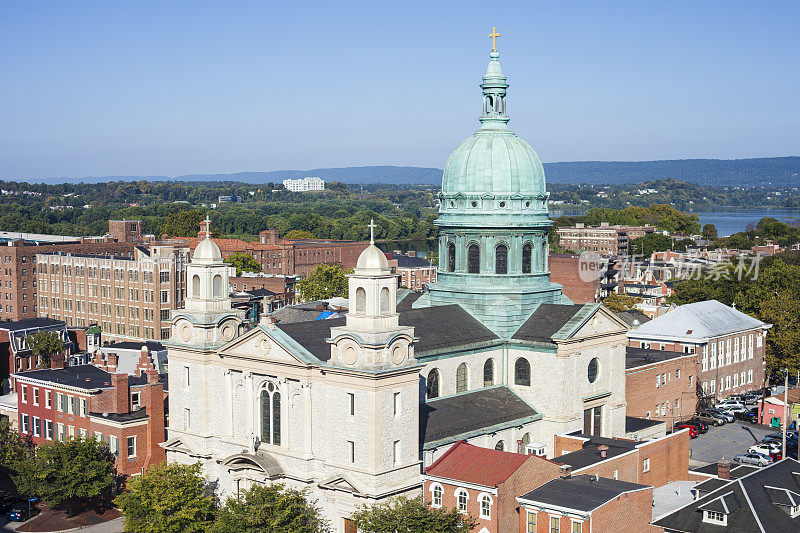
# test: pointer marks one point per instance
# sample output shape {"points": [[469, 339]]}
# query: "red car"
{"points": [[693, 433]]}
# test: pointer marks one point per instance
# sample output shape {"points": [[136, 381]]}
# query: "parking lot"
{"points": [[726, 441]]}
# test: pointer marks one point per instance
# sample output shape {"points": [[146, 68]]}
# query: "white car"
{"points": [[753, 459], [765, 448], [729, 404]]}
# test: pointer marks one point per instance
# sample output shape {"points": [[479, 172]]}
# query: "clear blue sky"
{"points": [[167, 88]]}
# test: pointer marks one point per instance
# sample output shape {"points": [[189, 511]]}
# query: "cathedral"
{"points": [[352, 409]]}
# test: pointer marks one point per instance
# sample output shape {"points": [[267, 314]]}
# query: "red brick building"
{"points": [[278, 284], [660, 384], [584, 504], [728, 344], [603, 239], [565, 270], [485, 483], [127, 413], [413, 272]]}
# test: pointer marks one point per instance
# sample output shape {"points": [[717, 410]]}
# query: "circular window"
{"points": [[474, 204], [527, 204], [594, 366]]}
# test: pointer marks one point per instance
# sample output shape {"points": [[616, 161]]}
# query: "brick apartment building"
{"points": [[128, 297], [728, 345], [300, 257], [18, 295], [565, 270], [484, 483], [660, 384], [413, 272], [16, 355], [276, 283], [604, 239], [127, 413]]}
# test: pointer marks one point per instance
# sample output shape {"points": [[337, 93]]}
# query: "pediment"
{"points": [[340, 483], [601, 322], [262, 344], [182, 445]]}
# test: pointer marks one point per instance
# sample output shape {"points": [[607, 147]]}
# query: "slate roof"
{"points": [[546, 321], [636, 357], [634, 424], [474, 464], [697, 322], [582, 493], [589, 454], [404, 261], [87, 377], [737, 470], [31, 323], [407, 300], [632, 314], [451, 418], [130, 345], [754, 502], [442, 327]]}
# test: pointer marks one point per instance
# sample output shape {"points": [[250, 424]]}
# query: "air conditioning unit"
{"points": [[136, 408]]}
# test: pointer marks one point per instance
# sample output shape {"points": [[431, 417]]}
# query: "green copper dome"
{"points": [[493, 160]]}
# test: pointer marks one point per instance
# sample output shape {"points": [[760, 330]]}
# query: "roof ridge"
{"points": [[445, 454]]}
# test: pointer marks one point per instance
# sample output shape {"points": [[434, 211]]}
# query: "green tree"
{"points": [[66, 473], [269, 508], [710, 232], [298, 234], [325, 281], [183, 223], [243, 263], [168, 498], [14, 448], [411, 516], [652, 242], [44, 345], [617, 302]]}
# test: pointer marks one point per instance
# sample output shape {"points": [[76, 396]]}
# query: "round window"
{"points": [[474, 204], [594, 366], [502, 204], [527, 204]]}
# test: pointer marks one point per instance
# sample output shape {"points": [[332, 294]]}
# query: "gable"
{"points": [[268, 345], [600, 322]]}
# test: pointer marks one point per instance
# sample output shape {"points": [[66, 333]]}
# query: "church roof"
{"points": [[452, 418], [438, 328], [546, 321]]}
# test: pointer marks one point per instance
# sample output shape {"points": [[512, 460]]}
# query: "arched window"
{"points": [[196, 286], [526, 258], [488, 373], [451, 257], [432, 385], [522, 372], [500, 446], [462, 378], [384, 300], [501, 259], [461, 500], [473, 259], [526, 439], [486, 506], [217, 285], [361, 301], [436, 495], [271, 415]]}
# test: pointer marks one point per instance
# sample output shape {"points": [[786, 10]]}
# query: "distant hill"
{"points": [[768, 171]]}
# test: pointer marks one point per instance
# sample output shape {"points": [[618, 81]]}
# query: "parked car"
{"points": [[19, 512], [693, 431], [733, 408], [751, 415], [729, 417], [7, 502], [702, 427], [753, 459], [711, 418], [764, 448]]}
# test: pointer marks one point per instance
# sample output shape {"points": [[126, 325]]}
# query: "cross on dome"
{"points": [[494, 35], [371, 227]]}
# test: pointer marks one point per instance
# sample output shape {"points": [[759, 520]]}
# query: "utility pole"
{"points": [[785, 412]]}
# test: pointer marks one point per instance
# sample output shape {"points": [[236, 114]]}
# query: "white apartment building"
{"points": [[304, 184]]}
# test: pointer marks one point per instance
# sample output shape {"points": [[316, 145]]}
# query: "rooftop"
{"points": [[31, 323], [636, 357], [87, 377], [582, 493], [152, 346], [590, 454], [475, 464], [546, 321], [634, 424]]}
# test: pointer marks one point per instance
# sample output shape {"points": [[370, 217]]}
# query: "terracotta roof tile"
{"points": [[473, 464]]}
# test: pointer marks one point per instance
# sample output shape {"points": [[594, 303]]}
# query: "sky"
{"points": [[180, 87]]}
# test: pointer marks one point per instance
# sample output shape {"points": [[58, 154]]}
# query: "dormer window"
{"points": [[715, 517]]}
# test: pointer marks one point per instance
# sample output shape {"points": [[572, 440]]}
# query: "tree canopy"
{"points": [[243, 262], [14, 448], [411, 516], [45, 344], [617, 302], [183, 223], [267, 509], [325, 281], [168, 498]]}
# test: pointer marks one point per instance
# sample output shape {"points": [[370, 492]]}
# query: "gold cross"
{"points": [[494, 35]]}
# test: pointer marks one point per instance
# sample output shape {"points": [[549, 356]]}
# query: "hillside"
{"points": [[769, 171]]}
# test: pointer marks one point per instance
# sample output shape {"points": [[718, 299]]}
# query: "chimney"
{"points": [[152, 376], [56, 361], [156, 427], [121, 392], [723, 469], [603, 449], [111, 362], [565, 471]]}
